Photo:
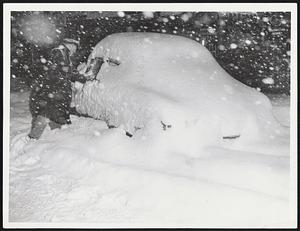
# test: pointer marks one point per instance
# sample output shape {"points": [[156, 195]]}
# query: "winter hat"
{"points": [[71, 41]]}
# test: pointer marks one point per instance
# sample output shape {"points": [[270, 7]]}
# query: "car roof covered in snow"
{"points": [[144, 45]]}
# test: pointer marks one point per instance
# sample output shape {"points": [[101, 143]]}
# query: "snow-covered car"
{"points": [[158, 85]]}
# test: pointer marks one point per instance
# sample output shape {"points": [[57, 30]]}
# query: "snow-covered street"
{"points": [[86, 172]]}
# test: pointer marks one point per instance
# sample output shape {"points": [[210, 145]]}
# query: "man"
{"points": [[51, 94]]}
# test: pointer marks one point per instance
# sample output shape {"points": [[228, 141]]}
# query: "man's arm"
{"points": [[94, 68], [57, 63]]}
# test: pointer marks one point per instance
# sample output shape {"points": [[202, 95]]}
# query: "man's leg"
{"points": [[38, 125], [54, 125], [59, 121]]}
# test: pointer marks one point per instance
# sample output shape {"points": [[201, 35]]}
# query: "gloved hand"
{"points": [[93, 68], [82, 68]]}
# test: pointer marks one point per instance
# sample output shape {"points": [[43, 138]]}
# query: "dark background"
{"points": [[252, 47]]}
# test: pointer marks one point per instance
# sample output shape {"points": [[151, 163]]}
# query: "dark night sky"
{"points": [[253, 47]]}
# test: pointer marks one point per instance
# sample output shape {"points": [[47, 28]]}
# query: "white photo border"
{"points": [[232, 7]]}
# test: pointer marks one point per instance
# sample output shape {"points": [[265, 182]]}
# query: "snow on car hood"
{"points": [[171, 80]]}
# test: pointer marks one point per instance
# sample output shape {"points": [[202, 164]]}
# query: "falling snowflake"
{"points": [[172, 17], [121, 14], [185, 17], [222, 23], [50, 95], [165, 20], [148, 14], [221, 47], [43, 60], [268, 80], [233, 46], [265, 19], [284, 21], [211, 30], [247, 41]]}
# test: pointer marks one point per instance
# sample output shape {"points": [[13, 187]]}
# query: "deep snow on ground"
{"points": [[183, 176], [86, 172]]}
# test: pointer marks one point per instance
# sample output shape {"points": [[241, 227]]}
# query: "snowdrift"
{"points": [[86, 172], [171, 84]]}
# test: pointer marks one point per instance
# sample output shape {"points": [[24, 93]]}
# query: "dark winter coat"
{"points": [[51, 94]]}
